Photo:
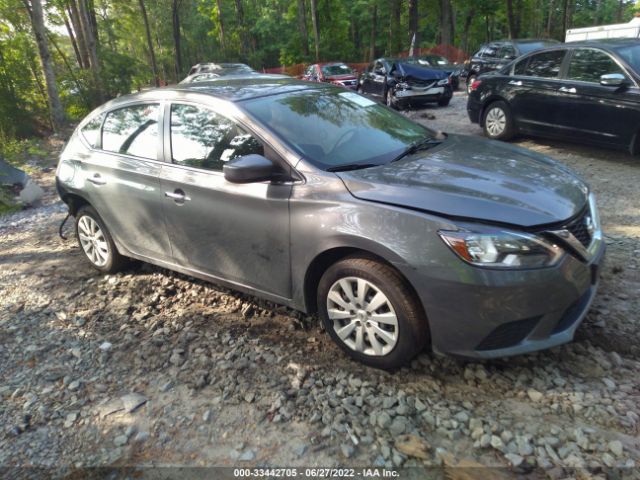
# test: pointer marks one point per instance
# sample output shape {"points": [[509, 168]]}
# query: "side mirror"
{"points": [[248, 169], [612, 80]]}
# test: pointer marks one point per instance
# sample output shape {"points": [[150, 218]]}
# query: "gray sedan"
{"points": [[314, 197]]}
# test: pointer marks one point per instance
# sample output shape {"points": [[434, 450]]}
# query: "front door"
{"points": [[595, 112], [237, 232]]}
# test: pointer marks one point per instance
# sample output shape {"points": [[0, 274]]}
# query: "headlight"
{"points": [[66, 172], [503, 249], [403, 86]]}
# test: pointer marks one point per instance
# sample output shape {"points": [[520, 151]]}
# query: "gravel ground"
{"points": [[150, 367]]}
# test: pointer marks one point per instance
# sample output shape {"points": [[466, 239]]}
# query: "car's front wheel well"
{"points": [[487, 103], [326, 259]]}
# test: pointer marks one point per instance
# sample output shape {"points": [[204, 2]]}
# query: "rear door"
{"points": [[533, 91], [236, 232], [123, 181], [595, 112], [378, 79]]}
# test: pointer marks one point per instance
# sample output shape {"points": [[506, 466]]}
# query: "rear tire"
{"points": [[497, 121], [96, 242], [371, 312]]}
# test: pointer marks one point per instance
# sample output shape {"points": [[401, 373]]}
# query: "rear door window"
{"points": [[132, 131], [588, 65], [545, 64], [201, 138]]}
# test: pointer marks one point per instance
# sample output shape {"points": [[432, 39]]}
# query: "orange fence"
{"points": [[450, 52]]}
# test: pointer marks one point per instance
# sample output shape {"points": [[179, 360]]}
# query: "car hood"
{"points": [[477, 179], [410, 71]]}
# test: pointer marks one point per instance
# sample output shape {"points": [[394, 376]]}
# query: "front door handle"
{"points": [[518, 83], [177, 195], [97, 180], [567, 90]]}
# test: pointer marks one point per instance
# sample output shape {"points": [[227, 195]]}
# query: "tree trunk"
{"points": [[74, 15], [395, 44], [175, 15], [413, 21], [221, 23], [372, 39], [550, 18], [446, 23], [302, 25], [316, 27], [154, 65], [565, 17], [511, 20], [72, 37], [244, 38], [466, 27], [37, 22], [88, 31]]}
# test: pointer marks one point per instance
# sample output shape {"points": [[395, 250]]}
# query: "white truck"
{"points": [[620, 30]]}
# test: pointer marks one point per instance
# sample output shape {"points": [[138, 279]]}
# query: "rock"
{"points": [[247, 456], [615, 447], [383, 420], [534, 395], [485, 440], [347, 450], [74, 385], [70, 419], [496, 442], [132, 401], [165, 387], [616, 359], [610, 384], [398, 426], [206, 416], [419, 406], [110, 407], [176, 359], [120, 440], [105, 346], [141, 437], [515, 460], [413, 446], [462, 417]]}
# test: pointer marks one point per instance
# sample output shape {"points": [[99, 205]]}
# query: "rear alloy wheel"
{"points": [[470, 80], [370, 312], [96, 242], [497, 123]]}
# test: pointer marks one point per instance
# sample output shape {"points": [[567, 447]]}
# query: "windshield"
{"points": [[332, 70], [531, 46], [330, 127], [434, 60], [631, 55]]}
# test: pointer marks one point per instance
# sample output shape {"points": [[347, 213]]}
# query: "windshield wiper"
{"points": [[423, 144], [351, 166]]}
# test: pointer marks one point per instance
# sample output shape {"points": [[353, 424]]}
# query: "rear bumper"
{"points": [[474, 109], [500, 313]]}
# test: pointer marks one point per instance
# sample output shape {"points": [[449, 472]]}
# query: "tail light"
{"points": [[475, 85]]}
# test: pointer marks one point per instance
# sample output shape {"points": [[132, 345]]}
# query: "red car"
{"points": [[336, 72]]}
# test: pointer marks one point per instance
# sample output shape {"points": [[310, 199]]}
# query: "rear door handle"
{"points": [[97, 180], [178, 195], [567, 90], [516, 82]]}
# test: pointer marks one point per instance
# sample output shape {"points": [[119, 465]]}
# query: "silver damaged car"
{"points": [[399, 237]]}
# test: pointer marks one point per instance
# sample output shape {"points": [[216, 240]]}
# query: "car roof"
{"points": [[606, 43], [234, 89]]}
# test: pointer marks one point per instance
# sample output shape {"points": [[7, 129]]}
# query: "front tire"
{"points": [[443, 102], [497, 121], [96, 242], [391, 100], [371, 312]]}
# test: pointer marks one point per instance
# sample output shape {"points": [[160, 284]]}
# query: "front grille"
{"points": [[422, 83], [578, 228], [508, 334]]}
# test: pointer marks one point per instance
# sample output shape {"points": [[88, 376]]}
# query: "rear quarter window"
{"points": [[91, 130]]}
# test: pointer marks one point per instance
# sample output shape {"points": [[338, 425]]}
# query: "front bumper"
{"points": [[418, 94], [503, 313]]}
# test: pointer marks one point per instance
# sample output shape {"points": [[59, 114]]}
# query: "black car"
{"points": [[400, 83], [585, 92], [438, 62], [495, 55]]}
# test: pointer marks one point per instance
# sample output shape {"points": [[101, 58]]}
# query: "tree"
{"points": [[175, 16], [302, 25], [152, 55], [413, 21], [39, 32], [316, 27], [446, 23]]}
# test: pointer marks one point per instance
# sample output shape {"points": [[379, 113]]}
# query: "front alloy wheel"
{"points": [[362, 316], [390, 99], [371, 312]]}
